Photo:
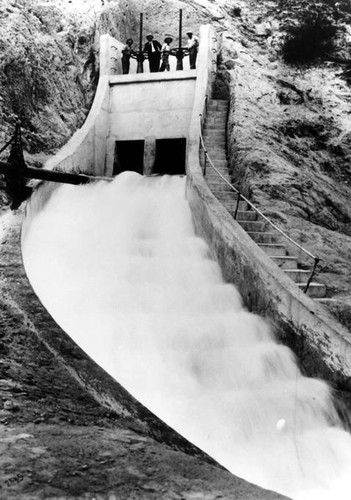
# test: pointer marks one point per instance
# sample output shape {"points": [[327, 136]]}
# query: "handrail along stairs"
{"points": [[240, 196]]}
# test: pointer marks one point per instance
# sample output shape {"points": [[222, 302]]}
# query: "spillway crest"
{"points": [[119, 267]]}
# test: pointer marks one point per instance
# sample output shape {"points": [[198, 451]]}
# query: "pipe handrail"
{"points": [[240, 196]]}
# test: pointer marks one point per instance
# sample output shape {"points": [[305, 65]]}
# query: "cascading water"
{"points": [[119, 267]]}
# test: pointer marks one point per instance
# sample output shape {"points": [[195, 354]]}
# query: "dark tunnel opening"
{"points": [[170, 156], [129, 155]]}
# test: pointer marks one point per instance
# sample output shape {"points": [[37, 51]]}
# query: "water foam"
{"points": [[119, 267]]}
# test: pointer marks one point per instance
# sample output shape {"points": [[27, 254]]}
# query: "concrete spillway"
{"points": [[120, 268]]}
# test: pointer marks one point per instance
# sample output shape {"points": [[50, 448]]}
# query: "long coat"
{"points": [[154, 57]]}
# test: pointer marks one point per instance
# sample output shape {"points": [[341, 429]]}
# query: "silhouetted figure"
{"points": [[127, 53], [193, 45], [166, 50], [153, 50]]}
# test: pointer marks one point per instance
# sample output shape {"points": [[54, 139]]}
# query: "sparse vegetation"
{"points": [[315, 30], [312, 28]]}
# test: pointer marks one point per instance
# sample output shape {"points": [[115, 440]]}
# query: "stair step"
{"points": [[298, 275], [216, 154], [225, 195], [217, 103], [220, 186], [215, 117], [256, 225], [212, 175], [216, 165], [262, 237], [217, 159], [219, 163], [315, 290], [218, 114], [216, 121], [211, 172], [218, 144], [231, 205], [214, 138], [273, 249], [216, 182], [214, 110], [214, 135], [225, 188], [215, 142], [214, 113], [285, 261], [245, 215], [217, 187], [214, 130]]}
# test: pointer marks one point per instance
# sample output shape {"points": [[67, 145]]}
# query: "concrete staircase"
{"points": [[214, 134]]}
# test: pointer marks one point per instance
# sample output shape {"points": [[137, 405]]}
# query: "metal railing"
{"points": [[240, 197]]}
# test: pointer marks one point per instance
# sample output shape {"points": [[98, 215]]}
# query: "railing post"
{"points": [[179, 52], [140, 55], [316, 260], [237, 205]]}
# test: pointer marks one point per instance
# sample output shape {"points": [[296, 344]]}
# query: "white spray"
{"points": [[119, 267]]}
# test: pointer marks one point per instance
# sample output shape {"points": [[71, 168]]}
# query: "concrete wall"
{"points": [[86, 150], [322, 344], [149, 107], [142, 106]]}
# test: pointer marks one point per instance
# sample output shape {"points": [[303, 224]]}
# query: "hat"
{"points": [[129, 40], [149, 36], [169, 38], [189, 32]]}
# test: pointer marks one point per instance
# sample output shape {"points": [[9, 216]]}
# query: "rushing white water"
{"points": [[119, 267]]}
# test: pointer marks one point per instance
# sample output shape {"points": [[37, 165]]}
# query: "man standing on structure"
{"points": [[166, 50], [127, 53], [193, 44], [153, 50]]}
